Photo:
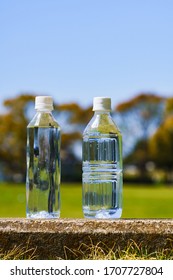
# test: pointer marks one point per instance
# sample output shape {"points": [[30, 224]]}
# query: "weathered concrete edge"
{"points": [[86, 225], [50, 237]]}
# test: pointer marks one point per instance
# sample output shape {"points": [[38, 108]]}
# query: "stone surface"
{"points": [[51, 238]]}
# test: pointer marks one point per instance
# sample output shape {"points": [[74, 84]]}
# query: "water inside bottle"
{"points": [[43, 172], [102, 177]]}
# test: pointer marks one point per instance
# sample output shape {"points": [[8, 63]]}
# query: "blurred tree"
{"points": [[75, 115], [161, 144], [169, 107], [13, 137], [140, 156], [138, 120], [73, 121], [141, 115]]}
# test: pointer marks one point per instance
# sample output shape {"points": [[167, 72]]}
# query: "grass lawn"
{"points": [[138, 201]]}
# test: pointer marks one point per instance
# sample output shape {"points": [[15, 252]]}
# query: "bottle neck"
{"points": [[102, 113], [44, 111]]}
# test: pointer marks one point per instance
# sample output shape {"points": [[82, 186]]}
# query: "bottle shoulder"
{"points": [[43, 119], [101, 124]]}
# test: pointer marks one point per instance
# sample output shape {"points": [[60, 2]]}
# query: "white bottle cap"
{"points": [[44, 102], [102, 104]]}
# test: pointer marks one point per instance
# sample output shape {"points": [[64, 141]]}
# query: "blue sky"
{"points": [[77, 49]]}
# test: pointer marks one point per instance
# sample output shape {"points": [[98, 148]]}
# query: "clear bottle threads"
{"points": [[43, 162], [102, 164]]}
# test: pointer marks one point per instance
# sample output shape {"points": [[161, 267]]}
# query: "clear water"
{"points": [[43, 172], [102, 177]]}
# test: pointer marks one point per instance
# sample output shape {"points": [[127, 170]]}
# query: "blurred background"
{"points": [[73, 51]]}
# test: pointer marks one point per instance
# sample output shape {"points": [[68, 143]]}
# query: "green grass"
{"points": [[138, 201], [148, 202]]}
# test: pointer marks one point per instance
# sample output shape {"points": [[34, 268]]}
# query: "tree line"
{"points": [[146, 123]]}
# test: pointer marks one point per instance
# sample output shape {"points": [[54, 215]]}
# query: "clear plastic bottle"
{"points": [[43, 162], [102, 164]]}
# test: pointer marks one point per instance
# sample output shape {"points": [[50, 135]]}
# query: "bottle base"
{"points": [[103, 214], [43, 215]]}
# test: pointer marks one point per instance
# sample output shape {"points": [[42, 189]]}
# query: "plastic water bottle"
{"points": [[102, 164], [43, 162]]}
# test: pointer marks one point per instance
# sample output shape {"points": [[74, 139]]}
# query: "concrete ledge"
{"points": [[49, 238]]}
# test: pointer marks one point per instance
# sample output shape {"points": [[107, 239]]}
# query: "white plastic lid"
{"points": [[44, 102], [102, 104]]}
